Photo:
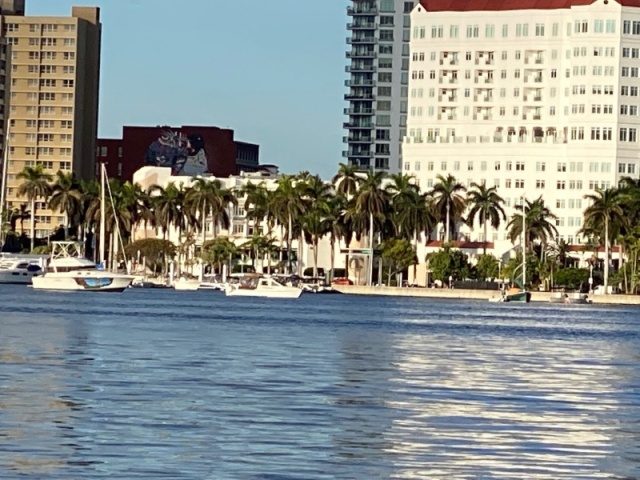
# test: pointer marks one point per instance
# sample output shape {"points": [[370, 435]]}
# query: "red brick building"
{"points": [[188, 150]]}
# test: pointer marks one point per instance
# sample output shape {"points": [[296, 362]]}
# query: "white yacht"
{"points": [[259, 286], [18, 270], [68, 269]]}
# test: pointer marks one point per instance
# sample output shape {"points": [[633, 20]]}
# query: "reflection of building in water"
{"points": [[38, 413], [516, 408], [362, 399]]}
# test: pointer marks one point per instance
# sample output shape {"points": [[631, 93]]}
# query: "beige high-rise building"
{"points": [[51, 98]]}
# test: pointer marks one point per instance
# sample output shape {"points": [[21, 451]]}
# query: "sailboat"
{"points": [[70, 270]]}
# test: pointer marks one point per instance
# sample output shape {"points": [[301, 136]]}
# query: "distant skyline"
{"points": [[271, 71]]}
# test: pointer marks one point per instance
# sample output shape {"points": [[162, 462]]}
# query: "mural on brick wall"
{"points": [[185, 154]]}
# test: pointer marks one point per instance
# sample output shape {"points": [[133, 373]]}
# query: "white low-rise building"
{"points": [[536, 97], [241, 229]]}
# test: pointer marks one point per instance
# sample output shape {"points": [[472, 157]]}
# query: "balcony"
{"points": [[361, 26], [357, 125], [357, 139], [363, 97], [448, 98], [359, 83], [361, 40], [356, 154], [358, 111], [360, 68], [537, 117], [445, 116], [359, 11], [361, 54]]}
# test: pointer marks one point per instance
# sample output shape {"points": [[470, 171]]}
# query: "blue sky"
{"points": [[273, 71]]}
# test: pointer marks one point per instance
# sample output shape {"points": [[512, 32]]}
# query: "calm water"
{"points": [[192, 385]]}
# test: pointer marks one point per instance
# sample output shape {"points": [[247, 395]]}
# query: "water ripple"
{"points": [[193, 385]]}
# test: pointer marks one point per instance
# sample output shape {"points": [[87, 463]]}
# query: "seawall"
{"points": [[460, 294]]}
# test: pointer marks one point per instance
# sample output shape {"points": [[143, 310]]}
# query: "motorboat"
{"points": [[570, 298], [69, 270], [186, 284], [142, 283], [212, 282], [18, 271], [261, 286]]}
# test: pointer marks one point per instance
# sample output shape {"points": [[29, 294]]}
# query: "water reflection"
{"points": [[37, 404]]}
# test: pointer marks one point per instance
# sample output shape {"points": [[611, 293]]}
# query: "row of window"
{"points": [[43, 82], [44, 96], [103, 151], [43, 137], [43, 123], [46, 42], [453, 56], [541, 166], [522, 29], [44, 110], [46, 151], [537, 77], [488, 91], [15, 55], [37, 28]]}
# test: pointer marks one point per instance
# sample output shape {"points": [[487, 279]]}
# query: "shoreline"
{"points": [[461, 294]]}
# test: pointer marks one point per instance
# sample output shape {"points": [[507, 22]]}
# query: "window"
{"points": [[539, 29], [539, 183], [611, 26]]}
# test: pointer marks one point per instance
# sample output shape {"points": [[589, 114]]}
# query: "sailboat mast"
{"points": [[103, 221], [524, 245], [3, 186]]}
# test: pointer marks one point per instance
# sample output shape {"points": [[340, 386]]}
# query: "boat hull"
{"points": [[519, 297], [280, 292], [78, 282], [16, 277], [186, 285]]}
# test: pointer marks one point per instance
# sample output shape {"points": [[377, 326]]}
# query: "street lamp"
{"points": [[450, 280]]}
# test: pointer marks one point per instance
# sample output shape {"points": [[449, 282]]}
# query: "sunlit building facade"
{"points": [[52, 107], [538, 98]]}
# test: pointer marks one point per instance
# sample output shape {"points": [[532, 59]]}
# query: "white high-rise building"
{"points": [[536, 97], [378, 79]]}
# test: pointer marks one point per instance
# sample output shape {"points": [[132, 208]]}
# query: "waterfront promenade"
{"points": [[461, 294]]}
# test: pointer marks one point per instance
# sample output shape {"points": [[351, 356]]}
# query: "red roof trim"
{"points": [[499, 5]]}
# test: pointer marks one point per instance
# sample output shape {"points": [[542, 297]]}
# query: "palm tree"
{"points": [[168, 206], [210, 198], [486, 206], [372, 199], [20, 214], [315, 224], [449, 204], [605, 210], [403, 193], [65, 198], [288, 208], [36, 184], [347, 180], [338, 228], [538, 224]]}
